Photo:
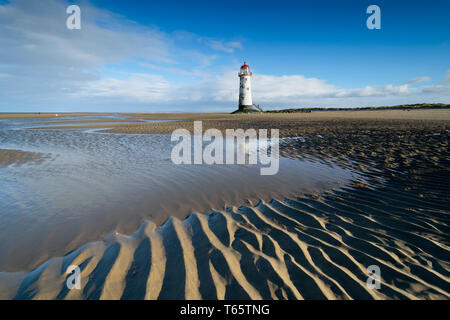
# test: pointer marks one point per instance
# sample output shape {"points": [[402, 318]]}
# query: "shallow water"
{"points": [[94, 183]]}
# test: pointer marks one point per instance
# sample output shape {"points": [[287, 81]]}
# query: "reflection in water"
{"points": [[95, 183]]}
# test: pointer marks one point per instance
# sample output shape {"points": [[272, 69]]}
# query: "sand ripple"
{"points": [[306, 248]]}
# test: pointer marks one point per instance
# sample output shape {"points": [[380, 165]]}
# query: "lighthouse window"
{"points": [[247, 89]]}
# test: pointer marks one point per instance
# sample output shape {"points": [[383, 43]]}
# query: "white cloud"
{"points": [[368, 91], [137, 88], [289, 88], [268, 90], [34, 33], [223, 46], [446, 79], [417, 80]]}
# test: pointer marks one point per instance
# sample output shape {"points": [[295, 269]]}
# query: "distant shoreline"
{"points": [[417, 106]]}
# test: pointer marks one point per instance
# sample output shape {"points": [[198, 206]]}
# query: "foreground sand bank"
{"points": [[306, 248]]}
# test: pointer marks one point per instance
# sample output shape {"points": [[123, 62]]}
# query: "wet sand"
{"points": [[306, 247], [47, 115], [19, 157], [89, 121]]}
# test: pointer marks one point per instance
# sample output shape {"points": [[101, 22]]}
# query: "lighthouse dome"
{"points": [[245, 66]]}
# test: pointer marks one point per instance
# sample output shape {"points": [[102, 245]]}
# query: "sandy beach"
{"points": [[290, 124], [394, 215]]}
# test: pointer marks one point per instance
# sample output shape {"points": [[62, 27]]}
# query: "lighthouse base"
{"points": [[246, 108]]}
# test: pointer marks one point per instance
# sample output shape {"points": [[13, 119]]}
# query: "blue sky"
{"points": [[158, 56], [326, 39]]}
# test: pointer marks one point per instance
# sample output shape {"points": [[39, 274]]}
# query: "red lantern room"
{"points": [[245, 70]]}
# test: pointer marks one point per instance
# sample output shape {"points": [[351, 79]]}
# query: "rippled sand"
{"points": [[305, 248]]}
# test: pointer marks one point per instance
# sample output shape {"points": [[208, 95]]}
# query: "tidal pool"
{"points": [[94, 183]]}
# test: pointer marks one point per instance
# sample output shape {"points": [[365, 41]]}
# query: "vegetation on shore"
{"points": [[397, 107], [415, 106]]}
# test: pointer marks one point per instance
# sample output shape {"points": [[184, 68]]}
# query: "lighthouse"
{"points": [[245, 88]]}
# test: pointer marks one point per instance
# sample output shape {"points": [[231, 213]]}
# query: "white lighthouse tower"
{"points": [[245, 88]]}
